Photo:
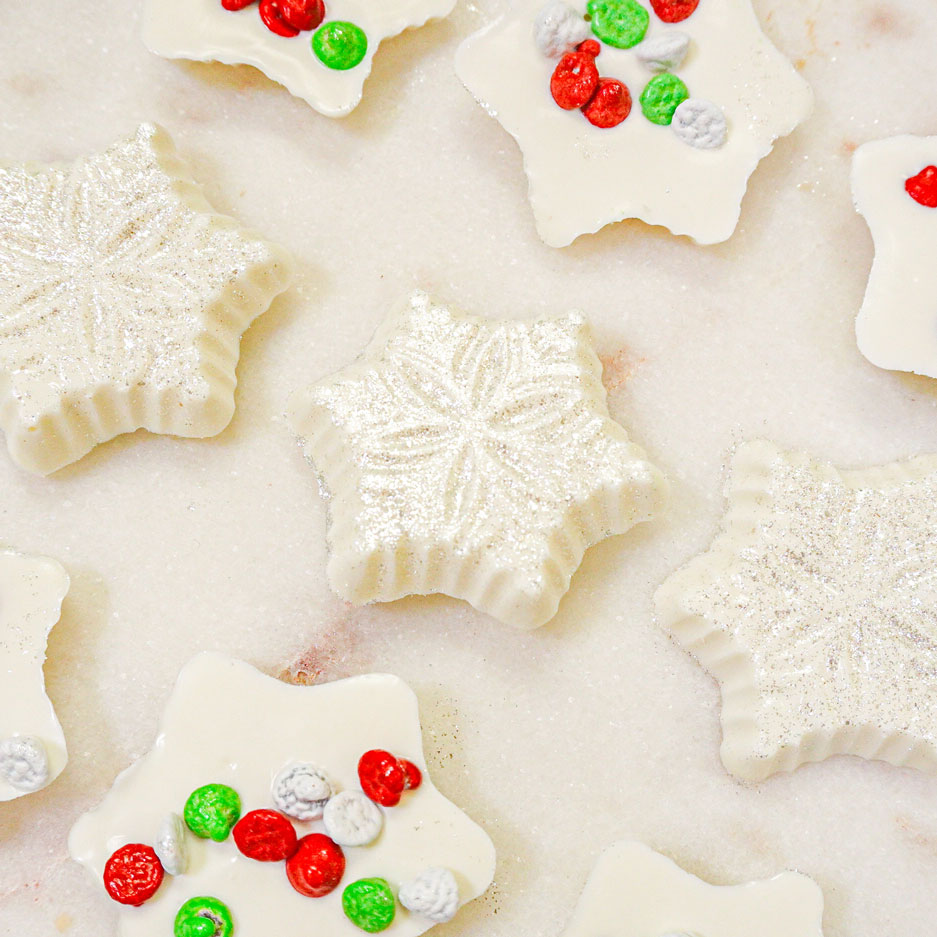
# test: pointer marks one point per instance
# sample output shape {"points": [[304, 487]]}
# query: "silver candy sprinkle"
{"points": [[352, 819], [559, 28], [170, 846], [302, 791], [433, 893], [700, 124], [664, 52], [24, 763]]}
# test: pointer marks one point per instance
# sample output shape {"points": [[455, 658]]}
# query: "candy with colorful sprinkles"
{"points": [[212, 810], [369, 904], [24, 763], [133, 874], [351, 818], [700, 124], [171, 846], [433, 893], [204, 917], [317, 866], [664, 52], [301, 791], [265, 836], [559, 29]]}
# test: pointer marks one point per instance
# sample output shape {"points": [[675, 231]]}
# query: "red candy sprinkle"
{"points": [[610, 104], [133, 874], [574, 80], [235, 5], [302, 14], [317, 866], [384, 777], [674, 11], [265, 835], [923, 187], [271, 12]]}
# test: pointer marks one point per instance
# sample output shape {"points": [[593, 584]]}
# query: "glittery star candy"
{"points": [[472, 457], [636, 891], [325, 65], [122, 301], [226, 734], [32, 745], [816, 610], [686, 101], [894, 185]]}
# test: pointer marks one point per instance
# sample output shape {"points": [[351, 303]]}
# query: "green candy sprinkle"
{"points": [[340, 45], [369, 904], [662, 96], [212, 810], [204, 917], [620, 23]]}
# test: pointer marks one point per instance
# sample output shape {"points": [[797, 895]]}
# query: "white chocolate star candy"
{"points": [[816, 610], [894, 184], [32, 744], [583, 176], [331, 80], [226, 723], [636, 892], [472, 457], [123, 298]]}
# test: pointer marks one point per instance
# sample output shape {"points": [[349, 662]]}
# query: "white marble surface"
{"points": [[596, 727]]}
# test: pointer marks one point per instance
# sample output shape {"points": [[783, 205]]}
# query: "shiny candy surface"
{"points": [[317, 866], [340, 45], [133, 874], [212, 810], [620, 23], [265, 835], [369, 904], [204, 917]]}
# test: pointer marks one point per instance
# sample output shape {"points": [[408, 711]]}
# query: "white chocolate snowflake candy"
{"points": [[472, 457], [302, 791], [559, 28], [433, 893], [326, 66], [122, 301], [32, 744], [664, 52], [351, 818], [635, 890], [816, 610], [700, 123], [170, 845]]}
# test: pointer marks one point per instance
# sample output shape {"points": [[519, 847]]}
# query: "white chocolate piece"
{"points": [[664, 52], [700, 124], [559, 28], [582, 177], [635, 890], [32, 750], [204, 31], [227, 723], [351, 818], [170, 845], [433, 893], [122, 301], [302, 791], [814, 609], [472, 457], [897, 324]]}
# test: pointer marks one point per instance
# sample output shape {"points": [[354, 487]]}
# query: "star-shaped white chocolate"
{"points": [[897, 325], [204, 31], [816, 610], [582, 177], [472, 457], [31, 592], [636, 892], [226, 723], [123, 298]]}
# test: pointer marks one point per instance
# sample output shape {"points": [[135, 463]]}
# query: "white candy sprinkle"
{"points": [[559, 28], [433, 893], [170, 846], [700, 123], [352, 819], [664, 52], [24, 763], [302, 791]]}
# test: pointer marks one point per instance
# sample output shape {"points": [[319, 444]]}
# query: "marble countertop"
{"points": [[595, 727]]}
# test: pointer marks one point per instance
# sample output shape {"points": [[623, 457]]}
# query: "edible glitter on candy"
{"points": [[816, 610], [433, 893], [302, 791], [24, 763]]}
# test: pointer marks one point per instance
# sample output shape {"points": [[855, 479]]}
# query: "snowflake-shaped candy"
{"points": [[816, 610], [471, 457], [122, 301], [326, 64], [635, 890], [32, 745], [228, 724], [894, 185], [680, 101]]}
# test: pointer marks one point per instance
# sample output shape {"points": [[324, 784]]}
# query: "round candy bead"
{"points": [[369, 904], [170, 844], [384, 777], [574, 80], [352, 819], [559, 29], [302, 14], [700, 124], [24, 764], [610, 104], [236, 4], [620, 23], [664, 52], [663, 94], [302, 791], [923, 187], [340, 45], [433, 893], [212, 810], [317, 866], [674, 11], [271, 12], [265, 835], [203, 917], [133, 874]]}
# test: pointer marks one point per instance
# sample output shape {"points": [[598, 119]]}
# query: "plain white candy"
{"points": [[559, 28], [170, 846], [352, 819], [664, 52], [302, 791], [24, 763], [433, 893], [700, 123]]}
